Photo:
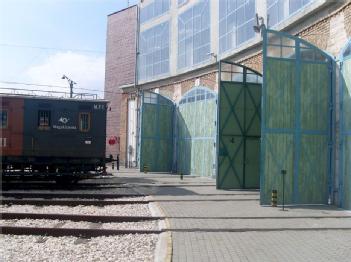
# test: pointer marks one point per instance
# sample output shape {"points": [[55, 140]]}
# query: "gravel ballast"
{"points": [[111, 210], [133, 247]]}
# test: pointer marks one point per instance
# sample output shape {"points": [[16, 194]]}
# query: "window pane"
{"points": [[43, 118], [4, 119], [155, 42], [154, 9], [84, 121], [197, 35], [237, 18]]}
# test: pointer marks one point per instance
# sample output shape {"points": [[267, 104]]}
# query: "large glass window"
{"points": [[182, 2], [194, 35], [295, 5], [236, 21], [154, 52], [4, 118], [278, 10], [154, 9]]}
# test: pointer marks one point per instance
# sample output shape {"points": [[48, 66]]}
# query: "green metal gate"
{"points": [[156, 133], [238, 127], [196, 132], [345, 130], [297, 115]]}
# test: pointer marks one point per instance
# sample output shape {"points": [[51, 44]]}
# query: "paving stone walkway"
{"points": [[216, 225]]}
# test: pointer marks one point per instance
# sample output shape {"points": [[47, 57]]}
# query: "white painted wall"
{"points": [[132, 134]]}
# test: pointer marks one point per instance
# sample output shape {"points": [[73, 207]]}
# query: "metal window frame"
{"points": [[81, 129], [48, 116]]}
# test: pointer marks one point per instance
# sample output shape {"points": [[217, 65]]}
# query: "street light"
{"points": [[71, 83]]}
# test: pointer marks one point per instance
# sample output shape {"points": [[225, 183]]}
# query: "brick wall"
{"points": [[176, 90], [120, 70], [255, 62]]}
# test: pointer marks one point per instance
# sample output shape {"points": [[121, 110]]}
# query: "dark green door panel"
{"points": [[156, 136], [239, 133]]}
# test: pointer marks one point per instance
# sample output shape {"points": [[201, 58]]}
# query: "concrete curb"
{"points": [[164, 250]]}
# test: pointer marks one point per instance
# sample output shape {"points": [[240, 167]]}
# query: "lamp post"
{"points": [[71, 83]]}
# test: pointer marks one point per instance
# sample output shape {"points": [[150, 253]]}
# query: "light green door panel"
{"points": [[296, 120], [196, 132]]}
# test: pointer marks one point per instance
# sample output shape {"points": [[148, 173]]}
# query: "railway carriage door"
{"points": [[297, 114], [239, 117], [156, 133], [345, 130]]}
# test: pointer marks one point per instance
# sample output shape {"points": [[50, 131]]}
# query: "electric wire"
{"points": [[52, 48], [55, 86]]}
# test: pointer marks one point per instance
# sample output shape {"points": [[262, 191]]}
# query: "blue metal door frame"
{"points": [[344, 131], [319, 57]]}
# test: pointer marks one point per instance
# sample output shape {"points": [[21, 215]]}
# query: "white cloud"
{"points": [[88, 71]]}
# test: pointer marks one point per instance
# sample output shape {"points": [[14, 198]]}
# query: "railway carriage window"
{"points": [[84, 122], [4, 119], [44, 119]]}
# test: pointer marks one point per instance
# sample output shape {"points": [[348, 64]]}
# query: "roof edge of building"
{"points": [[122, 10]]}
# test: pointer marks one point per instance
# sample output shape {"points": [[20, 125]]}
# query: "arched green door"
{"points": [[196, 132], [239, 115], [156, 133], [297, 115]]}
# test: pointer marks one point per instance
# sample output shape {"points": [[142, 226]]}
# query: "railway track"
{"points": [[51, 195], [49, 223]]}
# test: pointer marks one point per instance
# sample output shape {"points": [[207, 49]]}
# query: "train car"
{"points": [[52, 136]]}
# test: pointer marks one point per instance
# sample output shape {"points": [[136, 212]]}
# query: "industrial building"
{"points": [[194, 89]]}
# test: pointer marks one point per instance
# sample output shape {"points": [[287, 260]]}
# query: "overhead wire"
{"points": [[53, 48], [55, 86]]}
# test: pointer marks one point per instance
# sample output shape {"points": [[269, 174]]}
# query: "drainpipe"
{"points": [[136, 87]]}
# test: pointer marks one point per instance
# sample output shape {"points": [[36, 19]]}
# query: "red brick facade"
{"points": [[119, 70]]}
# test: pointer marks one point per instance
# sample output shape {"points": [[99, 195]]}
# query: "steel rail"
{"points": [[66, 195], [78, 232], [59, 202], [87, 218]]}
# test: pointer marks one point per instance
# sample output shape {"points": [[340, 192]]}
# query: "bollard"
{"points": [[274, 197], [145, 169], [181, 176], [283, 172], [113, 165]]}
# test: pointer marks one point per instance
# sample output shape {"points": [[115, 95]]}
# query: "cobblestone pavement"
{"points": [[215, 225]]}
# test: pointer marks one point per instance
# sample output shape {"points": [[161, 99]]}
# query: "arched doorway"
{"points": [[239, 115], [297, 120], [196, 132]]}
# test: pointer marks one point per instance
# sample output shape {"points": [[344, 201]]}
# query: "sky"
{"points": [[40, 40]]}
